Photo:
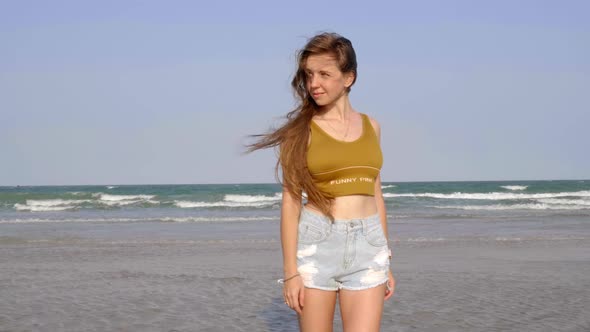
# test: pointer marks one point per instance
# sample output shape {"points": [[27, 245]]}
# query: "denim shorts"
{"points": [[348, 254]]}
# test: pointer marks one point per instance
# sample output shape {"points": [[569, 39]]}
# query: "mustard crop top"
{"points": [[345, 168]]}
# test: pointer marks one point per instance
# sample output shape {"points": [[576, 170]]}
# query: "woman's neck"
{"points": [[340, 110]]}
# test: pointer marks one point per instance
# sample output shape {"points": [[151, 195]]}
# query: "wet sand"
{"points": [[207, 277]]}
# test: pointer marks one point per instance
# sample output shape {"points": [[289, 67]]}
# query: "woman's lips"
{"points": [[317, 94]]}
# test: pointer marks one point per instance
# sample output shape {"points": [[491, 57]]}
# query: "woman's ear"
{"points": [[348, 79]]}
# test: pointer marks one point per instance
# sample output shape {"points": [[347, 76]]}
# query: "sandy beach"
{"points": [[222, 277]]}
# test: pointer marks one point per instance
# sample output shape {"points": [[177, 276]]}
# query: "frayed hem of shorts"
{"points": [[366, 287], [323, 288]]}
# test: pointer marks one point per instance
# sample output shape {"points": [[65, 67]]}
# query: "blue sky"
{"points": [[139, 92]]}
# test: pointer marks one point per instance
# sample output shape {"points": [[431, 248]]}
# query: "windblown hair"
{"points": [[292, 136]]}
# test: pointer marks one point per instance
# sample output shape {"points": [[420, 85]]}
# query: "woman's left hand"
{"points": [[390, 286]]}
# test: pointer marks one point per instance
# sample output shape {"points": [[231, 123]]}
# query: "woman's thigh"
{"points": [[318, 310], [361, 310]]}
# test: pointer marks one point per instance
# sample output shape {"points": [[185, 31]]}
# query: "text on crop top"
{"points": [[345, 168]]}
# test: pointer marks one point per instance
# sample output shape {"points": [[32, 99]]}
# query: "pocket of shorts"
{"points": [[311, 234], [375, 236]]}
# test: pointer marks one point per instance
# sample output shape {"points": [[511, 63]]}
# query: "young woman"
{"points": [[335, 243]]}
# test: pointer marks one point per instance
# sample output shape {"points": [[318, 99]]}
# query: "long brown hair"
{"points": [[292, 136]]}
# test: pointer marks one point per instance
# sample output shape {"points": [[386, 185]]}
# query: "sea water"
{"points": [[417, 211]]}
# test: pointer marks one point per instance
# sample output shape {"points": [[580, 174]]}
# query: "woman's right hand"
{"points": [[293, 292]]}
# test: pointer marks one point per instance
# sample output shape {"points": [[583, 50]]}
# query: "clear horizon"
{"points": [[191, 184]]}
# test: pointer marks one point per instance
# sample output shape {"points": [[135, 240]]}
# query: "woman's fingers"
{"points": [[390, 286], [294, 294], [301, 296], [294, 302]]}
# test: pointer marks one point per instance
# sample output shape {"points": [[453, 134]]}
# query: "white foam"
{"points": [[493, 195], [515, 187], [122, 200], [529, 206], [23, 207], [425, 239], [119, 203], [538, 238], [564, 201], [189, 204], [206, 219], [67, 204], [388, 186], [234, 200], [166, 219], [506, 239], [496, 238], [41, 205], [117, 198], [252, 198], [55, 202]]}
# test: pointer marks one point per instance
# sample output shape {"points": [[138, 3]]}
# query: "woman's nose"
{"points": [[313, 81]]}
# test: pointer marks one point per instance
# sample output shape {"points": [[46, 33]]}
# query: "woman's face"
{"points": [[324, 81]]}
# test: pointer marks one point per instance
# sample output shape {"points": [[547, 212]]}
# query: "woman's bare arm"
{"points": [[378, 192], [290, 210], [380, 201], [381, 206]]}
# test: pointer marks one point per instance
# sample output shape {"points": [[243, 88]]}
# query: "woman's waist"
{"points": [[349, 207]]}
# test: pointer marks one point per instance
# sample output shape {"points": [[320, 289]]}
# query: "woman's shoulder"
{"points": [[374, 123]]}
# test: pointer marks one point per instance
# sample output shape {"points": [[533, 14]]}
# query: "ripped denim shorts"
{"points": [[348, 254]]}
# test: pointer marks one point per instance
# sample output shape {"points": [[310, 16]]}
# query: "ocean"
{"points": [[419, 211]]}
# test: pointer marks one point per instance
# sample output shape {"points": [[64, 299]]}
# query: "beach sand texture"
{"points": [[205, 277]]}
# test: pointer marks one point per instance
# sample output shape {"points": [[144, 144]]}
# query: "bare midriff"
{"points": [[350, 207]]}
